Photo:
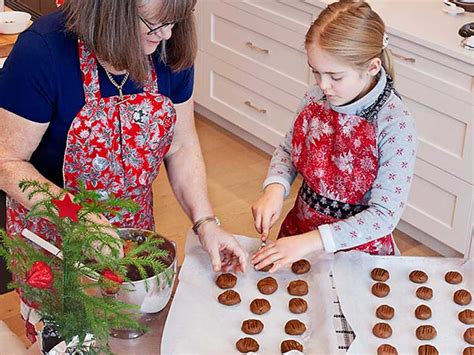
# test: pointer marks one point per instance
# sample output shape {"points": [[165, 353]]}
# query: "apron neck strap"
{"points": [[90, 74]]}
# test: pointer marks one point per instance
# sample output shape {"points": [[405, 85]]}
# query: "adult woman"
{"points": [[100, 92]]}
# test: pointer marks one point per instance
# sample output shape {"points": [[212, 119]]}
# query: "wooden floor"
{"points": [[235, 171]]}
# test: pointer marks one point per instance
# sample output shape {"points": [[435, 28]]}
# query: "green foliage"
{"points": [[74, 302]]}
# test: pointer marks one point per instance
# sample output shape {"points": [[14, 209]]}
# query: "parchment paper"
{"points": [[353, 284], [199, 324]]}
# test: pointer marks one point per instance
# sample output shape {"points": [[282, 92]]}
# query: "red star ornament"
{"points": [[67, 208]]}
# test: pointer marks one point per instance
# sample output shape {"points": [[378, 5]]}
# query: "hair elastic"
{"points": [[385, 41]]}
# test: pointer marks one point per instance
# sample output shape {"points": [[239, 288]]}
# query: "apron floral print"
{"points": [[113, 148], [336, 154]]}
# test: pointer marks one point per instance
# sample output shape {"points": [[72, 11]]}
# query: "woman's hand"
{"points": [[108, 229], [287, 250], [267, 209], [225, 252]]}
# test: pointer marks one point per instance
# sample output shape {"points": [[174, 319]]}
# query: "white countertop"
{"points": [[423, 22]]}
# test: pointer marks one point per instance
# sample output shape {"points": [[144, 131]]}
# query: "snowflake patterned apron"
{"points": [[336, 154], [114, 146]]}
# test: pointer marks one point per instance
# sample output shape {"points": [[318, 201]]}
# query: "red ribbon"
{"points": [[112, 287]]}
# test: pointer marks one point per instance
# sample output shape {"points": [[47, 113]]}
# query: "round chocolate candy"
{"points": [[267, 286], [229, 298], [380, 289], [423, 312], [424, 293], [260, 306], [382, 330], [462, 297], [469, 335], [290, 344], [466, 316], [418, 276], [379, 274], [226, 281], [295, 327], [297, 305], [301, 267], [453, 277], [386, 349], [426, 332], [252, 326], [247, 345], [385, 312], [468, 351], [298, 288], [427, 349]]}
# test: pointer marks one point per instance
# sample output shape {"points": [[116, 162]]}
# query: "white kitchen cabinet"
{"points": [[252, 71]]}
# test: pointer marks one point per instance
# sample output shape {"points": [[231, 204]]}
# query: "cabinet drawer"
{"points": [[253, 105], [433, 69], [257, 46], [440, 205], [295, 15], [444, 127]]}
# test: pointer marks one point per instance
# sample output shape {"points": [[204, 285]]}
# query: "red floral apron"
{"points": [[337, 156], [114, 146]]}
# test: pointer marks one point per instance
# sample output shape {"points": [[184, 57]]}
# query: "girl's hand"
{"points": [[287, 250], [267, 209]]}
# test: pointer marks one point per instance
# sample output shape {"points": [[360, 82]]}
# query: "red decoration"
{"points": [[59, 2], [67, 208], [113, 281], [40, 275]]}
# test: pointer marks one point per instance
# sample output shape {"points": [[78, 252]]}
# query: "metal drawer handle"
{"points": [[260, 110], [256, 48], [406, 59]]}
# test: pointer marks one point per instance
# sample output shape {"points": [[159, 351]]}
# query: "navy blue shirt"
{"points": [[41, 81]]}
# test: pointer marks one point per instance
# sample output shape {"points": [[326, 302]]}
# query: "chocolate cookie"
{"points": [[382, 330], [229, 298], [427, 349], [290, 344], [424, 293], [297, 305], [462, 297], [295, 327], [267, 286], [423, 312], [246, 345], [252, 326], [468, 351], [260, 306], [466, 316], [225, 281], [379, 274], [418, 276], [384, 312], [426, 332], [453, 277], [386, 349], [380, 289], [301, 267], [298, 288], [469, 335]]}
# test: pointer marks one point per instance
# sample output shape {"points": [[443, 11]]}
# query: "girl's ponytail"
{"points": [[387, 62]]}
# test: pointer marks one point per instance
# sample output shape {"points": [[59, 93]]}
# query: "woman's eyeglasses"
{"points": [[163, 26]]}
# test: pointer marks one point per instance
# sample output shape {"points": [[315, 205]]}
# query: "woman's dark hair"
{"points": [[111, 28]]}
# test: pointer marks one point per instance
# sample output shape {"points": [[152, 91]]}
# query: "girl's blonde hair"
{"points": [[352, 32]]}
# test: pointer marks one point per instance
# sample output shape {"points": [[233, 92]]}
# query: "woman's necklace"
{"points": [[118, 86]]}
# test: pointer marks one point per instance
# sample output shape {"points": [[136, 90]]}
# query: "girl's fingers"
{"points": [[262, 253], [271, 259]]}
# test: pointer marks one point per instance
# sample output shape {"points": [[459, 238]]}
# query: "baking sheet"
{"points": [[353, 284], [198, 324]]}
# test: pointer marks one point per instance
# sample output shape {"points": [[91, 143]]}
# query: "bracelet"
{"points": [[203, 220]]}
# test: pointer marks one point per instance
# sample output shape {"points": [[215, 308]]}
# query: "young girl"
{"points": [[353, 141]]}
